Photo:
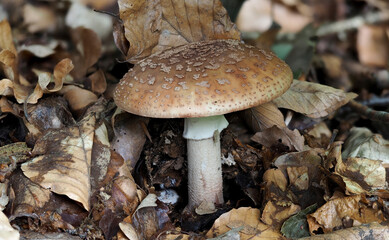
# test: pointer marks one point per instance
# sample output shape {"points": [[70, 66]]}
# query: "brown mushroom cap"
{"points": [[202, 79]]}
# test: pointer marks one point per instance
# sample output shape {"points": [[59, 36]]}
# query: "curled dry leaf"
{"points": [[6, 230], [89, 50], [276, 177], [40, 51], [152, 26], [312, 99], [63, 159], [274, 135], [61, 70], [78, 98], [264, 116], [247, 219], [129, 137], [6, 87]]}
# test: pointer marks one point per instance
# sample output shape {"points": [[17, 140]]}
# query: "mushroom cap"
{"points": [[202, 79]]}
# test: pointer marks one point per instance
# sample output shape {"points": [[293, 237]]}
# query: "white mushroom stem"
{"points": [[205, 182]]}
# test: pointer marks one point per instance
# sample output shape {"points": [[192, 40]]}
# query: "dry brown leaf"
{"points": [[6, 40], [331, 215], [89, 50], [63, 158], [264, 116], [38, 50], [61, 70], [246, 218], [367, 231], [312, 99], [299, 177], [78, 98], [274, 214], [276, 177], [274, 136], [129, 136], [152, 26], [6, 87], [39, 18], [98, 82], [373, 45]]}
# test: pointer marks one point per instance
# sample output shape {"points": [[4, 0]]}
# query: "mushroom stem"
{"points": [[205, 182]]}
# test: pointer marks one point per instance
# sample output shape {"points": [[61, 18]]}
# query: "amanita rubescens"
{"points": [[200, 82]]}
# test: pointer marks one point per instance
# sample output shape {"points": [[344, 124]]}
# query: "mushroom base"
{"points": [[205, 182]]}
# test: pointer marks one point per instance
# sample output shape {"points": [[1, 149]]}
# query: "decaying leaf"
{"points": [[340, 211], [10, 156], [274, 135], [362, 143], [312, 99], [276, 177], [78, 98], [264, 116], [61, 71], [6, 87], [246, 218], [370, 231], [38, 50], [6, 40], [6, 230], [129, 136], [297, 225], [152, 26], [274, 214], [63, 159]]}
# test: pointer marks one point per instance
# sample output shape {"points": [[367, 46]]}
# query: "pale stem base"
{"points": [[205, 181]]}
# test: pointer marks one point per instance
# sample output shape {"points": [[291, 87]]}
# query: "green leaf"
{"points": [[297, 225]]}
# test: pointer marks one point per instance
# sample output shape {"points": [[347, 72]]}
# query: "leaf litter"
{"points": [[73, 163]]}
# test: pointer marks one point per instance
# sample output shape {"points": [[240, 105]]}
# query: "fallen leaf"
{"points": [[373, 45], [312, 99], [152, 26], [129, 137], [264, 116], [38, 50], [6, 230], [39, 18], [331, 215], [274, 136], [246, 218], [6, 87], [48, 236], [11, 155], [276, 177], [98, 82], [6, 40], [362, 143], [89, 50], [63, 158], [274, 214], [297, 225], [78, 98], [61, 71], [370, 230]]}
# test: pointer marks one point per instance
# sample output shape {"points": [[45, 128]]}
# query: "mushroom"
{"points": [[200, 82]]}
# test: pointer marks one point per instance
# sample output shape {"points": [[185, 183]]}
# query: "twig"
{"points": [[368, 112], [379, 76], [352, 23]]}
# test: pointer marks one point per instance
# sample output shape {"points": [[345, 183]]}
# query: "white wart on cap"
{"points": [[203, 79]]}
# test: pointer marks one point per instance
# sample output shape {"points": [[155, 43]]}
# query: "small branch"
{"points": [[368, 112], [352, 23]]}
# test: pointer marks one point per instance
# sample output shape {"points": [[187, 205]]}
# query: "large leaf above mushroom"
{"points": [[312, 99], [152, 26]]}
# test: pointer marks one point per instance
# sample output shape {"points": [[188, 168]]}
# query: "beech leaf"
{"points": [[274, 135], [312, 99], [152, 26], [264, 116], [63, 158]]}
